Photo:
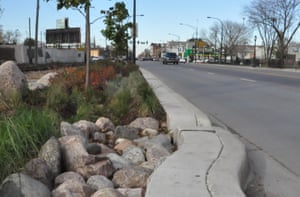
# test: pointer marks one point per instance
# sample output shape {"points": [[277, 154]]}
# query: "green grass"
{"points": [[22, 135]]}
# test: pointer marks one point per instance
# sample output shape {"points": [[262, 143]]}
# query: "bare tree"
{"points": [[9, 37], [1, 10], [276, 20], [235, 34]]}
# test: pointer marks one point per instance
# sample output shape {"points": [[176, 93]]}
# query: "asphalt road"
{"points": [[262, 106]]}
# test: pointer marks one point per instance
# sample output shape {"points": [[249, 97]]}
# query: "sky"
{"points": [[160, 22]]}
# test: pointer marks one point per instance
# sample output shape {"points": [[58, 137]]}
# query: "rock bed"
{"points": [[93, 159]]}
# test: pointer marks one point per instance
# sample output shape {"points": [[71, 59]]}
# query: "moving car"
{"points": [[170, 57]]}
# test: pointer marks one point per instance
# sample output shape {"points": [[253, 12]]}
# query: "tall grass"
{"points": [[21, 135], [131, 97]]}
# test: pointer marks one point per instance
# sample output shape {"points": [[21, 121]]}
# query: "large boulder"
{"points": [[12, 80], [23, 185]]}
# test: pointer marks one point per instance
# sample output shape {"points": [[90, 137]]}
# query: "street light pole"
{"points": [[134, 32], [221, 44], [254, 53], [178, 37], [196, 30], [178, 40]]}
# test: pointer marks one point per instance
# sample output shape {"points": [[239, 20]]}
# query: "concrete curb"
{"points": [[210, 161]]}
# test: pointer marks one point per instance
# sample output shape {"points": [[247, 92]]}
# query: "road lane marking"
{"points": [[211, 73], [248, 80]]}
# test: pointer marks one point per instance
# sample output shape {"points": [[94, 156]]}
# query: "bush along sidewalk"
{"points": [[117, 91]]}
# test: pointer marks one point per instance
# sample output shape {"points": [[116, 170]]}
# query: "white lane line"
{"points": [[210, 73], [248, 80]]}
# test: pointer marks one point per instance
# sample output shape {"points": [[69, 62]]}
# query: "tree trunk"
{"points": [[87, 46], [36, 31]]}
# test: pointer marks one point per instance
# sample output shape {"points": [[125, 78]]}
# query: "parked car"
{"points": [[147, 59], [182, 60], [96, 58], [170, 58]]}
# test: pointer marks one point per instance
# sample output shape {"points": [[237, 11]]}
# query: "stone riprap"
{"points": [[79, 164]]}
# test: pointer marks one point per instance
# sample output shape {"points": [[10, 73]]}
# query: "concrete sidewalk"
{"points": [[210, 161]]}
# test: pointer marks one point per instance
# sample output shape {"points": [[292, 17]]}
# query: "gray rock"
{"points": [[143, 123], [106, 150], [39, 170], [110, 138], [87, 128], [149, 132], [12, 80], [131, 192], [67, 129], [33, 85], [71, 188], [103, 167], [108, 192], [23, 185], [155, 152], [122, 144], [74, 153], [99, 137], [45, 79], [94, 148], [51, 153], [151, 165], [127, 132], [105, 124], [131, 177], [60, 179], [164, 140], [134, 154], [118, 161], [98, 182]]}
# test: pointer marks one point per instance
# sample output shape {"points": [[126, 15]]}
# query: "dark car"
{"points": [[170, 58]]}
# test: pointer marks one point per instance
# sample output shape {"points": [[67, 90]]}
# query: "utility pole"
{"points": [[36, 31]]}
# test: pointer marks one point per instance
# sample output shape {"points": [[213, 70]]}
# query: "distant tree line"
{"points": [[276, 22]]}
